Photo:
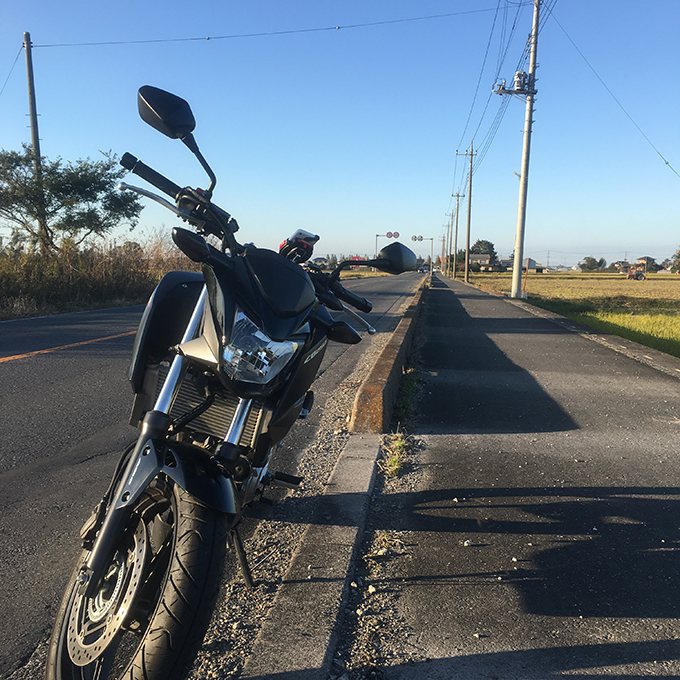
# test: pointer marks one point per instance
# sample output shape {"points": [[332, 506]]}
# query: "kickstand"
{"points": [[242, 559]]}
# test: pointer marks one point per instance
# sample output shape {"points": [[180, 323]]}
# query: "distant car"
{"points": [[423, 270]]}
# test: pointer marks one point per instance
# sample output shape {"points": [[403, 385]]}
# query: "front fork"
{"points": [[149, 458]]}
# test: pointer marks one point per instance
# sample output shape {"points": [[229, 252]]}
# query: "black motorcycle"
{"points": [[221, 369]]}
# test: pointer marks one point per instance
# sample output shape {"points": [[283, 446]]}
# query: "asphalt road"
{"points": [[64, 407], [543, 538]]}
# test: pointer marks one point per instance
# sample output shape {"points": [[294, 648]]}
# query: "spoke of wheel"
{"points": [[91, 628]]}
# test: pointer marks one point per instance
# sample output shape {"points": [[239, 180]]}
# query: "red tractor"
{"points": [[637, 273]]}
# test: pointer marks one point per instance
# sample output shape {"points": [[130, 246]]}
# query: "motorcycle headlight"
{"points": [[252, 356]]}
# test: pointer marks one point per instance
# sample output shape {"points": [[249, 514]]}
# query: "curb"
{"points": [[375, 399], [299, 637], [301, 633]]}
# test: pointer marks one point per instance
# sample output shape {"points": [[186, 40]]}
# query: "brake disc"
{"points": [[94, 622]]}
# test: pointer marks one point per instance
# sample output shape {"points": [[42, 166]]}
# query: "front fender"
{"points": [[188, 466], [195, 472]]}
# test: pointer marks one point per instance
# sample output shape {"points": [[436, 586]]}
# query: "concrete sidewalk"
{"points": [[543, 535]]}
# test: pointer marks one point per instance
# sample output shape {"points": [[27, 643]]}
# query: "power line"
{"points": [[490, 136], [613, 96], [481, 73], [12, 69], [262, 34]]}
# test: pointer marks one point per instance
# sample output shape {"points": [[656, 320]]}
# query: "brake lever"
{"points": [[360, 320], [123, 186]]}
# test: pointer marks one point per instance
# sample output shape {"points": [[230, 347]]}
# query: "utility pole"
{"points": [[524, 85], [467, 239], [35, 140], [447, 247], [455, 237]]}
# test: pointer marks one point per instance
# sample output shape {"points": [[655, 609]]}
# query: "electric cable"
{"points": [[12, 69], [613, 96], [261, 34]]}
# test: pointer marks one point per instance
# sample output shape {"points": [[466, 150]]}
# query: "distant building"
{"points": [[622, 266], [480, 259], [486, 264], [529, 264]]}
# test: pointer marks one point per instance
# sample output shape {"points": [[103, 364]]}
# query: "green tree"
{"points": [[590, 264], [675, 264], [482, 247], [73, 201]]}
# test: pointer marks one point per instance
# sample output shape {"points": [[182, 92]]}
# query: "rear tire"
{"points": [[154, 606]]}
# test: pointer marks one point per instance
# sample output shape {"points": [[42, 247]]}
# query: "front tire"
{"points": [[155, 602]]}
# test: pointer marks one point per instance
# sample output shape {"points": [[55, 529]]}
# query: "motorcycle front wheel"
{"points": [[154, 604]]}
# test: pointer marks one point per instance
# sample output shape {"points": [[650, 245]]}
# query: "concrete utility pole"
{"points": [[455, 236], [446, 248], [524, 84], [467, 239], [35, 139]]}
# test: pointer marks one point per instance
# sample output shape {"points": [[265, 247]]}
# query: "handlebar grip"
{"points": [[168, 187], [362, 304]]}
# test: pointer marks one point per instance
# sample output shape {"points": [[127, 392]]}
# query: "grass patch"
{"points": [[394, 451], [647, 312]]}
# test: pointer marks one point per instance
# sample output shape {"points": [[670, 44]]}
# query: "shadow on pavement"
{"points": [[535, 664], [470, 385], [524, 664], [593, 552]]}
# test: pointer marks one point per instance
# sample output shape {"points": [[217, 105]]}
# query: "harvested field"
{"points": [[647, 312]]}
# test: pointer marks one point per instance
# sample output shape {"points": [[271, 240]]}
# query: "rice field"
{"points": [[647, 312]]}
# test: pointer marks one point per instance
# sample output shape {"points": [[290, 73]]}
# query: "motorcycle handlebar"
{"points": [[136, 166], [362, 304]]}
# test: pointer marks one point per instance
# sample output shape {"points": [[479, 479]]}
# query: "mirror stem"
{"points": [[190, 142]]}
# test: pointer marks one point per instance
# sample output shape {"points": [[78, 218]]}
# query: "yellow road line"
{"points": [[54, 349]]}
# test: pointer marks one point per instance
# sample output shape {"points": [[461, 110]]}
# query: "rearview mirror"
{"points": [[395, 259], [171, 115], [165, 112]]}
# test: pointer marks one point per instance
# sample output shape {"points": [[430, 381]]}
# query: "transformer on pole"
{"points": [[524, 84]]}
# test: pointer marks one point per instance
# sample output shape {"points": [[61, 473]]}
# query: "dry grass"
{"points": [[104, 275], [647, 312]]}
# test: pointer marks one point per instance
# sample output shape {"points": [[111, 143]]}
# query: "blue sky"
{"points": [[353, 132]]}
